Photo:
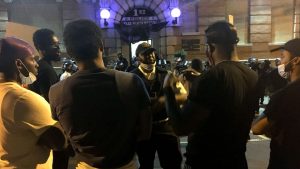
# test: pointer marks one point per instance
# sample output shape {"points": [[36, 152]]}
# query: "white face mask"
{"points": [[148, 67], [284, 69], [282, 72], [26, 80]]}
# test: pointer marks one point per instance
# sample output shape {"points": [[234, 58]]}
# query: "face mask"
{"points": [[29, 79], [282, 72], [148, 67], [284, 69]]}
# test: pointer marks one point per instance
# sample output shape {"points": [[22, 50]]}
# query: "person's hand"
{"points": [[25, 86]]}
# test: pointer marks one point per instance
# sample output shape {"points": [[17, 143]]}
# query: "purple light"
{"points": [[175, 12], [105, 14]]}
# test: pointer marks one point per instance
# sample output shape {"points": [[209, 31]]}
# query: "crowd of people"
{"points": [[112, 119]]}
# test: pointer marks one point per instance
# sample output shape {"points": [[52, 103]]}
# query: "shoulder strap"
{"points": [[124, 83], [125, 86]]}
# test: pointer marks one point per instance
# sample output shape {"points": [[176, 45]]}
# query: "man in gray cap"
{"points": [[281, 119], [163, 139]]}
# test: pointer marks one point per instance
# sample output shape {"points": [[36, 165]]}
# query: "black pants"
{"points": [[60, 159], [168, 150], [210, 161]]}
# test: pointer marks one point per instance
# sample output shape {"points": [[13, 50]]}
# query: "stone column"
{"points": [[170, 41], [209, 12], [260, 27], [111, 35], [3, 18], [296, 22], [112, 42], [75, 9]]}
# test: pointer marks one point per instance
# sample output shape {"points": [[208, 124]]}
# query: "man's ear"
{"points": [[101, 50], [19, 64], [41, 52], [297, 61], [212, 47]]}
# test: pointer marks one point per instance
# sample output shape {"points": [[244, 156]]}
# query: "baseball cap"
{"points": [[15, 47], [12, 48], [143, 48], [293, 46]]}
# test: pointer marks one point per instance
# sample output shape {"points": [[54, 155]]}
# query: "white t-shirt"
{"points": [[24, 117], [65, 75]]}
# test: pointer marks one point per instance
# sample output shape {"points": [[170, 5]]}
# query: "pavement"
{"points": [[257, 153]]}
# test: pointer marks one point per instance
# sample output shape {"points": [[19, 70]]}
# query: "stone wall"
{"points": [[3, 18], [261, 24]]}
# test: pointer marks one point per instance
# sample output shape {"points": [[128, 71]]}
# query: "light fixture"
{"points": [[105, 14], [175, 13]]}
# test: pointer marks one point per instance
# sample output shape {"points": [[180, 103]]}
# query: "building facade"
{"points": [[261, 24]]}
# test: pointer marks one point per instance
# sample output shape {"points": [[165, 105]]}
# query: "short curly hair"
{"points": [[223, 34], [42, 38], [83, 39]]}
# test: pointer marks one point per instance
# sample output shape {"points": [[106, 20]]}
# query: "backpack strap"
{"points": [[124, 84]]}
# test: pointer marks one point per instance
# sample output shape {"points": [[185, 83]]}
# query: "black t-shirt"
{"points": [[274, 81], [228, 91], [155, 90], [45, 79], [101, 126], [283, 113]]}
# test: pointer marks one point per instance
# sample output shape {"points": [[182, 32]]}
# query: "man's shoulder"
{"points": [[232, 65], [291, 88], [21, 95], [13, 91], [46, 70], [43, 64], [129, 77], [235, 68], [294, 85], [58, 84], [290, 91], [57, 88], [135, 70]]}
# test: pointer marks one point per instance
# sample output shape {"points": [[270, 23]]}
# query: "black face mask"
{"points": [[288, 66]]}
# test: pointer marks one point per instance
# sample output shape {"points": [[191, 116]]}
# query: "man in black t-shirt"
{"points": [[220, 106], [47, 44], [163, 139], [103, 112], [281, 119]]}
